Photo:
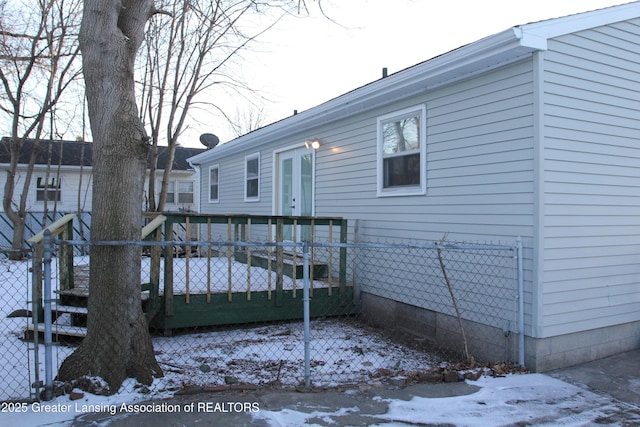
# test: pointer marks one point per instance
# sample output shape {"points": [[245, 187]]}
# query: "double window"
{"points": [[402, 152], [252, 178], [48, 189], [180, 192]]}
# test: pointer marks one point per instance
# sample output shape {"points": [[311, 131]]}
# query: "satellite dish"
{"points": [[209, 140]]}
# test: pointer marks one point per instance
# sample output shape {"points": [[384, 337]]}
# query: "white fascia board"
{"points": [[533, 33]]}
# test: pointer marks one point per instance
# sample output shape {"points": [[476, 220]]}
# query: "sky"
{"points": [[304, 62]]}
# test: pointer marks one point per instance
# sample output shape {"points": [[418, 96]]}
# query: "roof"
{"points": [[70, 153], [480, 56]]}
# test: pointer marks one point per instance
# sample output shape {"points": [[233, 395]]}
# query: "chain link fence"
{"points": [[223, 311]]}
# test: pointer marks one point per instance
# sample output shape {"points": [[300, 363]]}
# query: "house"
{"points": [[533, 132], [62, 176]]}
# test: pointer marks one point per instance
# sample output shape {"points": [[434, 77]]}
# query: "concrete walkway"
{"points": [[611, 391], [615, 376]]}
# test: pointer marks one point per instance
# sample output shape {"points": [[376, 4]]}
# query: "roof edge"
{"points": [[534, 32]]}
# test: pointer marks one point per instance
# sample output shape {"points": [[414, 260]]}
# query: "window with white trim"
{"points": [[402, 152], [50, 188], [252, 177], [185, 192], [214, 183], [171, 191], [180, 192]]}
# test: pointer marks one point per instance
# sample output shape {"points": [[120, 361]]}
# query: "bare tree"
{"points": [[190, 55], [117, 344], [38, 63], [247, 120]]}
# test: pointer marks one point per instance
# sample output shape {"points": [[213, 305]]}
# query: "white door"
{"points": [[295, 189]]}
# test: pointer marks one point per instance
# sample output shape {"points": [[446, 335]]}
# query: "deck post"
{"points": [[306, 314], [294, 264], [279, 261], [248, 251], [65, 261], [343, 257], [229, 265], [269, 256], [209, 260], [168, 269], [187, 252]]}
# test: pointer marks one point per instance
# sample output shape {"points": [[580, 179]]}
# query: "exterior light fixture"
{"points": [[314, 143]]}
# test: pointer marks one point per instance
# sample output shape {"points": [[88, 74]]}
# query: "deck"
{"points": [[185, 285]]}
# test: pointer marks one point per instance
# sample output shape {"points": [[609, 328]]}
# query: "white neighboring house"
{"points": [[68, 183], [531, 132]]}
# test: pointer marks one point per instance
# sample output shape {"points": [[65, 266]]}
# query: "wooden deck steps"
{"points": [[290, 263], [60, 333]]}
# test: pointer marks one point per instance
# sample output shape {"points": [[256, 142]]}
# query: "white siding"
{"points": [[592, 179], [70, 183], [70, 180]]}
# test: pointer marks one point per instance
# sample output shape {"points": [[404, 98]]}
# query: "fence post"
{"points": [[306, 314], [48, 374], [36, 283]]}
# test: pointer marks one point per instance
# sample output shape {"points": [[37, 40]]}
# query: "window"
{"points": [[185, 192], [252, 177], [402, 152], [50, 188], [180, 192], [171, 191], [214, 183]]}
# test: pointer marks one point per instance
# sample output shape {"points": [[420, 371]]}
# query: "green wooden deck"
{"points": [[176, 306], [217, 310]]}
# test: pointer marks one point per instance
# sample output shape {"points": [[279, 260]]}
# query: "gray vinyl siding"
{"points": [[592, 179], [479, 165], [480, 182]]}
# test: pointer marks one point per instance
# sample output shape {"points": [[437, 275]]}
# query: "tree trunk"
{"points": [[17, 216], [118, 344]]}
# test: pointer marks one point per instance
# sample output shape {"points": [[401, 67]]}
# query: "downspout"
{"points": [[520, 303], [196, 167]]}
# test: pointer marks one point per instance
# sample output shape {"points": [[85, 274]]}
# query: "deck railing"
{"points": [[62, 228], [274, 236]]}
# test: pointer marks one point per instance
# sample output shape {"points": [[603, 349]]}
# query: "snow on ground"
{"points": [[341, 352], [515, 400]]}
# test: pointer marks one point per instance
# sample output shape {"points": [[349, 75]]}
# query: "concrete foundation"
{"points": [[491, 344], [442, 331], [546, 354]]}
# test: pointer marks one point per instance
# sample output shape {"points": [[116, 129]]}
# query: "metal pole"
{"points": [[46, 295], [520, 303], [35, 307], [305, 302]]}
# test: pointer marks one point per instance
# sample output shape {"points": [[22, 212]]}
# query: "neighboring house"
{"points": [[67, 182], [531, 132]]}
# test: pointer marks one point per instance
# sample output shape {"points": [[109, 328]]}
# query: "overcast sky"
{"points": [[305, 62]]}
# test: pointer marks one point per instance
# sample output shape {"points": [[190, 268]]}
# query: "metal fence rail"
{"points": [[403, 307]]}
